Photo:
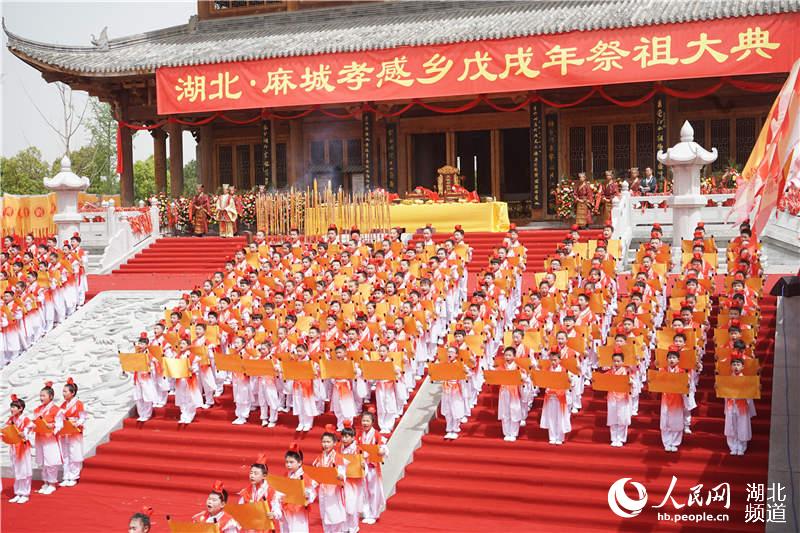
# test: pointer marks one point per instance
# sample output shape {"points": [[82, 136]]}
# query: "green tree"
{"points": [[23, 173], [190, 178], [144, 178]]}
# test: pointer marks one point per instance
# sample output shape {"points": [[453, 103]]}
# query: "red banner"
{"points": [[728, 47]]}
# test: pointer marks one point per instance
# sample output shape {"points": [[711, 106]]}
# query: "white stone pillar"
{"points": [[685, 159], [66, 184]]}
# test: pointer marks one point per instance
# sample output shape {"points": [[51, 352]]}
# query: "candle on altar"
{"points": [[475, 170], [458, 162]]}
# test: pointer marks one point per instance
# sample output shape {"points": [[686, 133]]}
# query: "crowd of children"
{"points": [[576, 320], [41, 285], [55, 432]]}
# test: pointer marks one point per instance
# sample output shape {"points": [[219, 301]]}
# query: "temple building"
{"points": [[517, 94]]}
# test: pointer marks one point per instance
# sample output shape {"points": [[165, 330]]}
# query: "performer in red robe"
{"points": [[199, 211]]}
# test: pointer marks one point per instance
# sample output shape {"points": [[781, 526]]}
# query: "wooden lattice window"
{"points": [[645, 146], [746, 134], [699, 127], [281, 170], [317, 152], [354, 155], [622, 147], [243, 166], [721, 140], [335, 152], [577, 150], [225, 164], [599, 150], [258, 162]]}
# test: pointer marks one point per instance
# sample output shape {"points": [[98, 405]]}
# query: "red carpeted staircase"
{"points": [[183, 255], [482, 483], [540, 244]]}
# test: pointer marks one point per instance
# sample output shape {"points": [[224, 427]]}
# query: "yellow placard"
{"points": [[674, 383], [738, 387], [550, 380], [251, 516], [379, 370], [258, 367], [176, 526], [292, 489], [298, 370], [176, 368], [355, 465], [446, 371], [503, 377], [11, 435], [134, 362], [324, 475], [229, 363], [611, 382], [336, 369]]}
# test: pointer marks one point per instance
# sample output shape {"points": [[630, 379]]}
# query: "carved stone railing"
{"points": [[109, 231]]}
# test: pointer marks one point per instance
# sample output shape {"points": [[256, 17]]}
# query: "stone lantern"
{"points": [[686, 159], [66, 184]]}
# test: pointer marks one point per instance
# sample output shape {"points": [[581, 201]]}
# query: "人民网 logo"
{"points": [[619, 502]]}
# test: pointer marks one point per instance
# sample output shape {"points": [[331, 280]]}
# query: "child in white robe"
{"points": [[738, 413], [511, 408], [331, 497], [453, 406], [555, 411], [48, 453], [374, 497], [71, 443], [21, 453], [672, 406], [619, 405]]}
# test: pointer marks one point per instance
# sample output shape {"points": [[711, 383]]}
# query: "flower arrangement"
{"points": [[720, 184], [564, 194], [790, 201]]}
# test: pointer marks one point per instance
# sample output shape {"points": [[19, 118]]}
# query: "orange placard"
{"points": [[292, 489], [229, 363], [172, 338], [69, 429], [550, 380], [675, 383], [446, 371], [503, 377], [355, 465], [738, 387], [337, 369], [134, 362], [259, 367], [40, 427], [373, 451], [570, 364], [192, 527], [379, 370], [11, 435], [298, 370], [156, 351], [176, 368], [251, 516], [611, 382], [324, 475]]}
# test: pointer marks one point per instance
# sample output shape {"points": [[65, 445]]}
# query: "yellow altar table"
{"points": [[485, 216]]}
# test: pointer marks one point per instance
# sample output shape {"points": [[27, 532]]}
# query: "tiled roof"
{"points": [[373, 26]]}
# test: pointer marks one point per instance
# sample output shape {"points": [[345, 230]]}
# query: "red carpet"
{"points": [[540, 244], [183, 255], [142, 282], [481, 483]]}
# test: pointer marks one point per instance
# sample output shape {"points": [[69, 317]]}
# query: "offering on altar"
{"points": [[448, 189]]}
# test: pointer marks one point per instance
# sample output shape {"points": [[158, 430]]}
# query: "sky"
{"points": [[69, 23]]}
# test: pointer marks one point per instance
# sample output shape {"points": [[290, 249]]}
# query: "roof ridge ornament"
{"points": [[102, 41]]}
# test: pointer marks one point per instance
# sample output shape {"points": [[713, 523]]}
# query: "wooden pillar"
{"points": [[660, 134], [367, 137], [205, 158], [495, 158], [126, 178], [295, 150], [537, 153], [175, 160], [160, 158], [391, 157], [551, 135]]}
